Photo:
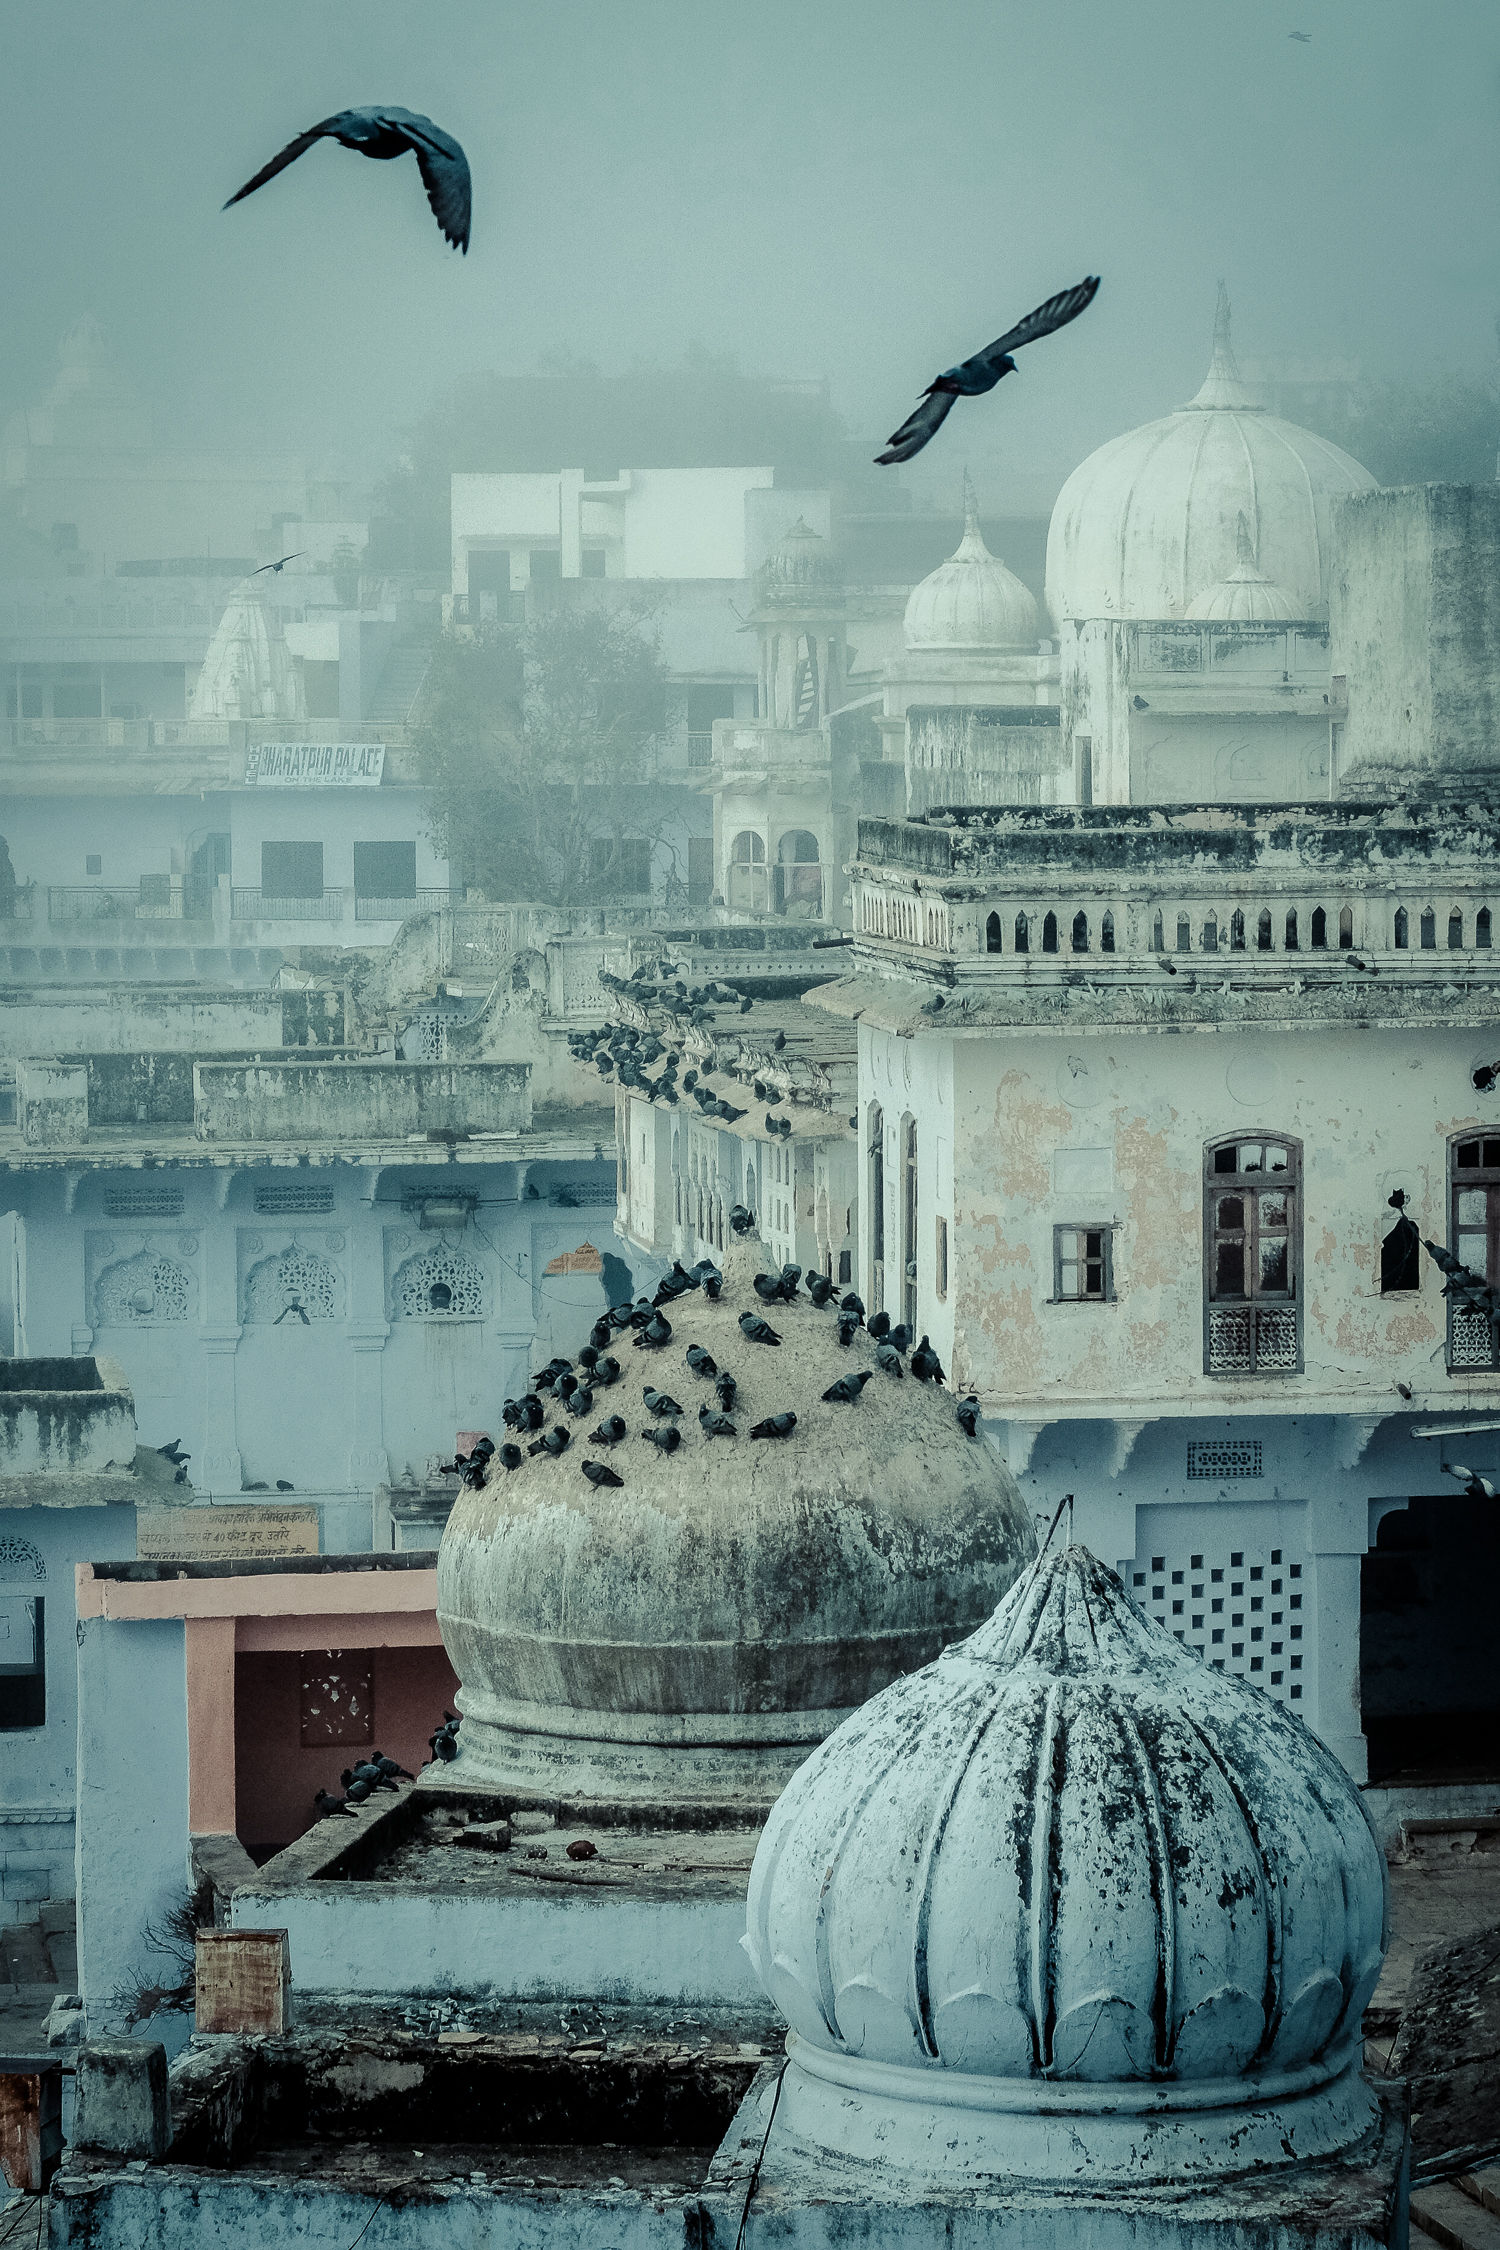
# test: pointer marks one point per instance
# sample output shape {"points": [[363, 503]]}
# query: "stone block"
{"points": [[17, 1884], [243, 1981], [122, 2103]]}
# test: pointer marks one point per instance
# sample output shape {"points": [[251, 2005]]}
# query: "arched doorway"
{"points": [[799, 876], [747, 873], [1429, 1685]]}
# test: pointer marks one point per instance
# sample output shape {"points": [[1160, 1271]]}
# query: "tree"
{"points": [[538, 743], [1443, 432]]}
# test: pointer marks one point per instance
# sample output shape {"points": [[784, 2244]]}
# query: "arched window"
{"points": [[1080, 933], [799, 878], [1209, 936], [1049, 932], [748, 849], [1263, 931], [1482, 929], [1158, 934], [1107, 934], [1023, 934], [1429, 930], [1291, 929], [1455, 930], [1346, 927], [992, 934], [438, 1284], [1319, 927], [1403, 930], [876, 1148], [1184, 934], [1237, 932], [1252, 1249]]}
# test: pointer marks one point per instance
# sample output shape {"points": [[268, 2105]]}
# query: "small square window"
{"points": [[1276, 1585], [1296, 1663], [1276, 1648], [93, 863], [1257, 1601], [1179, 1636], [1296, 1632], [1218, 1663], [1216, 1607], [1296, 1690], [1158, 1562], [1158, 1593], [1295, 1571], [1257, 1663], [1217, 1635], [1176, 1609], [1275, 1554], [1198, 1593], [1257, 1632], [1217, 1577], [1296, 1601], [1276, 1678], [1197, 1624], [1177, 1578], [1138, 1578], [1082, 1265], [1236, 1562], [1238, 1618], [1256, 1571], [1238, 1589], [1276, 1616], [1195, 1562], [1236, 1648]]}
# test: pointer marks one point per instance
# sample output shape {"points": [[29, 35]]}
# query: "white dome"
{"points": [[1070, 1851], [1148, 522], [1246, 594], [971, 601], [248, 671]]}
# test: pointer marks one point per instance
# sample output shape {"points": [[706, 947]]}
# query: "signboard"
{"points": [[225, 1534], [315, 765]]}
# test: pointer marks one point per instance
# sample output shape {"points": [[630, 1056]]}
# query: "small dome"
{"points": [[248, 672], [1246, 594], [971, 601], [800, 570], [1148, 522], [1069, 1850], [690, 1634]]}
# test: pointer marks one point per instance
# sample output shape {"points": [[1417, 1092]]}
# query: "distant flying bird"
{"points": [[278, 566], [383, 133], [1303, 38], [972, 377]]}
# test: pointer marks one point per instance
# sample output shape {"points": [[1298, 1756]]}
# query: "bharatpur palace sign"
{"points": [[315, 765]]}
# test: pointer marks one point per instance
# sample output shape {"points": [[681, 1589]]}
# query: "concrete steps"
{"points": [[1462, 2214], [400, 684]]}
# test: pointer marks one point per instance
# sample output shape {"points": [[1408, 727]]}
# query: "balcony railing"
{"points": [[198, 734], [1252, 1340], [151, 900], [700, 749], [400, 909], [265, 906]]}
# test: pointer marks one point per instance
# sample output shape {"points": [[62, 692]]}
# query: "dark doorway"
{"points": [[1429, 1683]]}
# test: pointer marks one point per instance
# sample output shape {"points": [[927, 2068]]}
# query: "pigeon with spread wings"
{"points": [[383, 133], [981, 373]]}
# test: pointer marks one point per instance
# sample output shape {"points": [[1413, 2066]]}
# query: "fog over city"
{"points": [[854, 190]]}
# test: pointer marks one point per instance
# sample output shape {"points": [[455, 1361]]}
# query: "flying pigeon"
{"points": [[981, 373], [279, 566], [600, 1473], [383, 133], [847, 1389], [1475, 1486], [775, 1425], [759, 1331]]}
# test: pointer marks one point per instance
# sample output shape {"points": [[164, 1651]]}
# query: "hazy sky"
{"points": [[862, 189]]}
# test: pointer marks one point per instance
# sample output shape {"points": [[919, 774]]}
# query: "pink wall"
{"points": [[275, 1778]]}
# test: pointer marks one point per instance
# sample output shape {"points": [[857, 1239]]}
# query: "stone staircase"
{"points": [[1461, 2214], [400, 684]]}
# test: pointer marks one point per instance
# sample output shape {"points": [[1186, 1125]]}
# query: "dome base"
{"points": [[742, 1777], [948, 2125]]}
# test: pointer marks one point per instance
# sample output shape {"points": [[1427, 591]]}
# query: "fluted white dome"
{"points": [[1069, 1852], [1247, 594], [248, 672], [1148, 522], [971, 601]]}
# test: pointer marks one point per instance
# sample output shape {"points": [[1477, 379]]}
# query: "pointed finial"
{"points": [[971, 505], [1222, 385], [1244, 545], [1223, 354]]}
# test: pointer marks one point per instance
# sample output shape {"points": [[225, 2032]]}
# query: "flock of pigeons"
{"points": [[383, 132], [380, 1772], [624, 1056], [572, 1390]]}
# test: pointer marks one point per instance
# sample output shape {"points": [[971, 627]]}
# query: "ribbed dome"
{"points": [[692, 1633], [248, 671], [800, 570], [971, 601], [1246, 594], [1070, 1851], [1148, 522]]}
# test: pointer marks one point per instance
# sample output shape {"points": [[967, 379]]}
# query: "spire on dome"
{"points": [[1223, 385], [971, 505], [1244, 545]]}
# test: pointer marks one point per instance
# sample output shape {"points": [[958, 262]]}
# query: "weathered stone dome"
{"points": [[691, 1634], [1149, 520], [971, 601], [1247, 595], [802, 570], [1070, 1855]]}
